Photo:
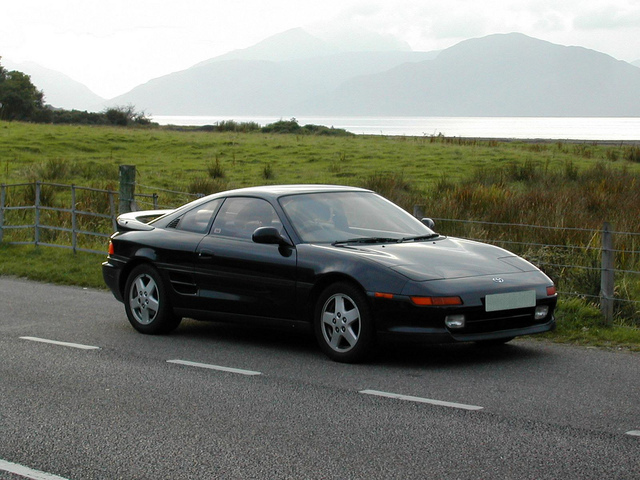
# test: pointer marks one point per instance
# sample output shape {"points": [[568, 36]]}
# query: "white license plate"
{"points": [[510, 301]]}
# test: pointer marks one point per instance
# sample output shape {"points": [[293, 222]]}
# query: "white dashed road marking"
{"points": [[215, 367], [409, 398], [64, 344], [634, 433], [27, 472]]}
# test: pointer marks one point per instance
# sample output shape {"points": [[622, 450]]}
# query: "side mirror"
{"points": [[270, 236], [429, 223]]}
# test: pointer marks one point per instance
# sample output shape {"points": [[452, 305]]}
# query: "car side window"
{"points": [[240, 217], [199, 219]]}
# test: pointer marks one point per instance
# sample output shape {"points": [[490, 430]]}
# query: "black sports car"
{"points": [[344, 261]]}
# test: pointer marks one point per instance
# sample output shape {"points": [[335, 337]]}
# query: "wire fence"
{"points": [[71, 216], [171, 198], [57, 215], [599, 265]]}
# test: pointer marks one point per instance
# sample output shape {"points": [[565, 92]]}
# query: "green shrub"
{"points": [[215, 169], [267, 172], [207, 186], [632, 154]]}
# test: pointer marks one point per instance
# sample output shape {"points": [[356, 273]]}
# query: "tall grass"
{"points": [[575, 201]]}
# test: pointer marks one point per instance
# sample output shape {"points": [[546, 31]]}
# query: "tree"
{"points": [[19, 98], [124, 116]]}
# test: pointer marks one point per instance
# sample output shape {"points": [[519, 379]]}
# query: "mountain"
{"points": [[60, 91], [275, 77], [257, 87], [298, 44], [294, 44], [359, 73], [498, 75], [296, 73]]}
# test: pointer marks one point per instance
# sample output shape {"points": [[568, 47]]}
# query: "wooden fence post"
{"points": [[127, 188], [3, 190], [607, 274], [112, 212], [36, 240], [74, 220]]}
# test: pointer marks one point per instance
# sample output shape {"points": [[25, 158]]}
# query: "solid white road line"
{"points": [[634, 433], [215, 367], [421, 400], [64, 344], [27, 472]]}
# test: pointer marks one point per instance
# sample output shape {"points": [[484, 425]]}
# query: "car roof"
{"points": [[275, 191], [268, 192]]}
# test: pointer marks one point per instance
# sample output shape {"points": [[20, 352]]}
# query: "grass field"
{"points": [[558, 184], [178, 160]]}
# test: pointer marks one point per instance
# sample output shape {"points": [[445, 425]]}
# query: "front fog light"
{"points": [[541, 311], [454, 321]]}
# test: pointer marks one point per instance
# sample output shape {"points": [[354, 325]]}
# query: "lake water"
{"points": [[592, 129]]}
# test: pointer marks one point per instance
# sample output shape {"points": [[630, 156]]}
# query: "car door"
{"points": [[176, 250], [234, 274]]}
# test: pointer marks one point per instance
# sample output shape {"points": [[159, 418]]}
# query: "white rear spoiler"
{"points": [[139, 220]]}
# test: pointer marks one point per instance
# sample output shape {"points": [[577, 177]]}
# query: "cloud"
{"points": [[607, 18]]}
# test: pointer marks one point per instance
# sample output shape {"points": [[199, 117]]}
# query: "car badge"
{"points": [[498, 279]]}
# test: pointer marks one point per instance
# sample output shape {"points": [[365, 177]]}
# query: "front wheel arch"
{"points": [[322, 284]]}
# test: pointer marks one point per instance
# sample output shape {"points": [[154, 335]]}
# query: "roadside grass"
{"points": [[52, 265], [560, 184], [580, 323]]}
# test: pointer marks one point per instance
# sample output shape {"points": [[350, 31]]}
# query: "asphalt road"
{"points": [[127, 410]]}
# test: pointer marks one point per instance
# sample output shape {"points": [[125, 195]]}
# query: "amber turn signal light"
{"points": [[383, 295], [436, 301]]}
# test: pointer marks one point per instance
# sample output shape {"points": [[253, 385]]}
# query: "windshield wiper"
{"points": [[419, 237], [367, 240]]}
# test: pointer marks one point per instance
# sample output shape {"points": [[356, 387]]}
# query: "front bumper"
{"points": [[444, 335], [427, 324]]}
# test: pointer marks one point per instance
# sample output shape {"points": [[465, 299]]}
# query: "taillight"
{"points": [[551, 291], [111, 250]]}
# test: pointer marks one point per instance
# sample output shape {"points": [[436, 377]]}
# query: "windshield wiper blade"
{"points": [[419, 237], [367, 240]]}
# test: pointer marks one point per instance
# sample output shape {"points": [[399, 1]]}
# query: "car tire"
{"points": [[147, 303], [343, 324]]}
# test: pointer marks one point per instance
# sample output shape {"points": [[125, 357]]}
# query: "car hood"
{"points": [[444, 258]]}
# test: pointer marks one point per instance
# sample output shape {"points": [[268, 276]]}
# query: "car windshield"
{"points": [[345, 217]]}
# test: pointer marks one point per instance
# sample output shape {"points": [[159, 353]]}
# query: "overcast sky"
{"points": [[112, 46]]}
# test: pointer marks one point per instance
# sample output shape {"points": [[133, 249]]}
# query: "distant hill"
{"points": [[298, 44], [275, 77], [60, 91], [498, 75], [295, 73]]}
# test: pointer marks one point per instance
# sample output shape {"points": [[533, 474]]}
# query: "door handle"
{"points": [[206, 255]]}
